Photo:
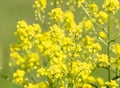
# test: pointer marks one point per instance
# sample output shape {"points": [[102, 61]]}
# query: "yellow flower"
{"points": [[93, 9], [97, 46], [88, 25], [116, 48], [102, 17], [42, 85], [56, 71], [80, 2], [33, 60], [102, 34], [38, 85], [103, 60], [37, 28], [19, 59], [111, 5], [69, 20], [90, 79], [112, 84], [22, 24], [87, 86], [40, 4], [19, 76], [100, 81], [66, 55], [31, 85], [41, 72], [57, 14]]}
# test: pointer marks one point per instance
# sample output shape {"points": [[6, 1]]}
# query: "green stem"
{"points": [[114, 39], [94, 69], [116, 77], [92, 18], [41, 19], [94, 86], [93, 26], [108, 47]]}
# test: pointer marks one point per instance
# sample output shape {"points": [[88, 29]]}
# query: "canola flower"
{"points": [[102, 34], [57, 14], [93, 8], [70, 51], [19, 76], [69, 20], [111, 5], [116, 48], [39, 6], [112, 84], [102, 17]]}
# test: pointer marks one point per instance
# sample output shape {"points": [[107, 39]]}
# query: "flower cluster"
{"points": [[19, 76], [39, 7], [102, 17], [25, 36], [56, 14], [111, 5], [72, 50]]}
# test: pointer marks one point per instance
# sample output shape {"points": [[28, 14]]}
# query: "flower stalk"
{"points": [[108, 47]]}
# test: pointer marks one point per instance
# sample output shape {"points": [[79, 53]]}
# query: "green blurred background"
{"points": [[11, 11]]}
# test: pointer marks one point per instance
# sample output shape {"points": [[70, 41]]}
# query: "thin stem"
{"points": [[116, 77], [93, 26], [102, 41], [32, 78], [113, 40], [93, 85], [92, 18], [41, 20], [94, 69], [108, 47], [99, 37], [77, 75]]}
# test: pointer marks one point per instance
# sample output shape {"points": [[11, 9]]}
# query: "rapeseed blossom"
{"points": [[93, 9], [112, 84], [100, 81], [67, 52], [116, 48], [80, 2], [111, 5], [57, 15], [39, 85], [103, 61], [102, 34], [87, 24], [69, 20], [39, 7], [19, 76], [102, 17]]}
